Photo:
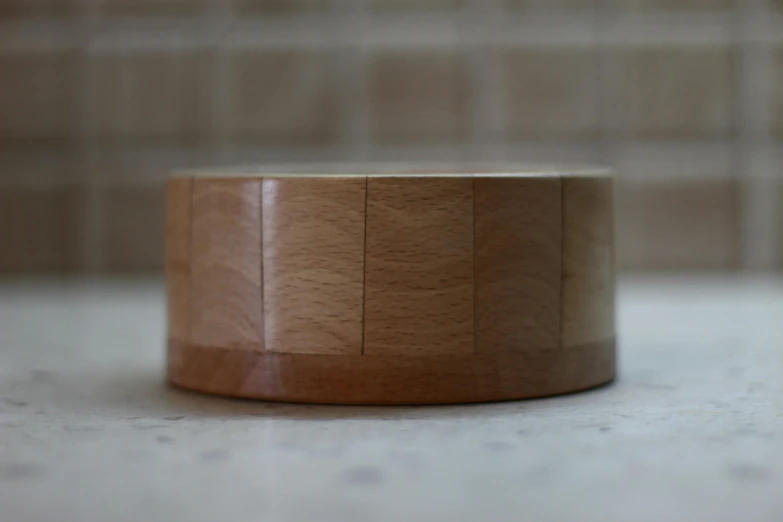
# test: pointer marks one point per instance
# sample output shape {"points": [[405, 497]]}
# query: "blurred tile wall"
{"points": [[100, 98]]}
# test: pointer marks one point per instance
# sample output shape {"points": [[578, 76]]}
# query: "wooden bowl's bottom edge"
{"points": [[387, 380]]}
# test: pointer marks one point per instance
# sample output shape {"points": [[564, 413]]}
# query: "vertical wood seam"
{"points": [[192, 197], [475, 301], [474, 380], [261, 262], [185, 368], [364, 259], [561, 179]]}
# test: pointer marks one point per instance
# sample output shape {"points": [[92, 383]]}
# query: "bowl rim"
{"points": [[352, 170]]}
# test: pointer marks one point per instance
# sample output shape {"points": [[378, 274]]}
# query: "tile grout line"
{"points": [[488, 117], [603, 57], [545, 30], [757, 228], [344, 78], [219, 21], [362, 139], [94, 255], [741, 53]]}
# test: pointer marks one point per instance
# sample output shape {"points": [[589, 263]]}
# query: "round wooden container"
{"points": [[391, 288]]}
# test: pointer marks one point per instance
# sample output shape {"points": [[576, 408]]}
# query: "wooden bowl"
{"points": [[391, 288]]}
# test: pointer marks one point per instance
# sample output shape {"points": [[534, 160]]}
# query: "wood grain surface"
{"points": [[356, 379], [357, 289], [226, 307], [419, 267], [588, 260], [314, 264], [179, 196], [518, 263]]}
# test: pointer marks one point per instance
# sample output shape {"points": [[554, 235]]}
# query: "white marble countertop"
{"points": [[692, 430]]}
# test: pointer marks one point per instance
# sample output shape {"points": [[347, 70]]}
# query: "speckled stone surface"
{"points": [[692, 431]]}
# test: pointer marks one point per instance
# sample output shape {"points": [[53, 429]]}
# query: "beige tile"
{"points": [[134, 162], [550, 93], [38, 95], [776, 114], [41, 228], [283, 97], [150, 7], [281, 6], [678, 224], [418, 5], [131, 234], [674, 92], [144, 96], [418, 96], [779, 218], [23, 8], [39, 165], [679, 5], [551, 4], [126, 170]]}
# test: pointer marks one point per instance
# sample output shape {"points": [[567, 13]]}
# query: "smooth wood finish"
{"points": [[226, 307], [356, 379], [419, 274], [379, 289], [179, 197], [588, 260], [518, 263], [314, 265]]}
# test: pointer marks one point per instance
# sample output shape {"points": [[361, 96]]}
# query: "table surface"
{"points": [[691, 431]]}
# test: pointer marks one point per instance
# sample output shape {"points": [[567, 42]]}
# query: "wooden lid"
{"points": [[403, 286]]}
